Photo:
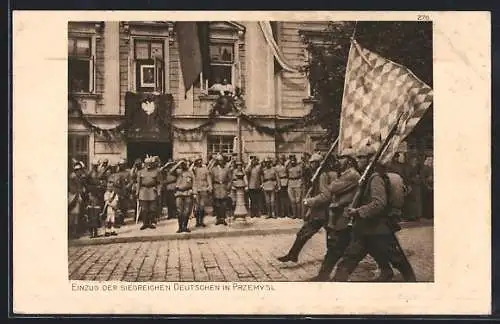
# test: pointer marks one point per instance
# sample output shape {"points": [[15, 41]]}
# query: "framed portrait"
{"points": [[147, 77]]}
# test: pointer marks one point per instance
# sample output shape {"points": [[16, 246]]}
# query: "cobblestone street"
{"points": [[245, 258]]}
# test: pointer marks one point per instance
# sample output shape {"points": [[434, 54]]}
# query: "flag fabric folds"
{"points": [[189, 52], [376, 92], [267, 30]]}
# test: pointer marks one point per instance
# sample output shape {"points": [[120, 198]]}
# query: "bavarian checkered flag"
{"points": [[376, 92]]}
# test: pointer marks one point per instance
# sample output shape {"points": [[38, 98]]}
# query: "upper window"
{"points": [[149, 65], [221, 64], [81, 65]]}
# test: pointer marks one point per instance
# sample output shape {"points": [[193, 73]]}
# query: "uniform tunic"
{"points": [[184, 196], [75, 198], [270, 179], [221, 182], [373, 235]]}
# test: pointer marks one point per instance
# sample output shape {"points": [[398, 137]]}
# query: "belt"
{"points": [[294, 178], [270, 179], [148, 186], [218, 182]]}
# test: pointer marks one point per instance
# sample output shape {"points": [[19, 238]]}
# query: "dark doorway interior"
{"points": [[137, 150]]}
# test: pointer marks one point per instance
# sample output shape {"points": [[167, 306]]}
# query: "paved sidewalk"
{"points": [[166, 230], [245, 258]]}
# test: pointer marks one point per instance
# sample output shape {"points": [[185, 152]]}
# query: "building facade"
{"points": [[108, 59]]}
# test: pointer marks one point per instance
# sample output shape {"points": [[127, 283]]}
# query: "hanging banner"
{"points": [[149, 117]]}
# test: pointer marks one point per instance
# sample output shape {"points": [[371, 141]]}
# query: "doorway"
{"points": [[139, 150]]}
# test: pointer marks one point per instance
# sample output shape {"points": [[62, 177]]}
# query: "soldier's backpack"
{"points": [[396, 189]]}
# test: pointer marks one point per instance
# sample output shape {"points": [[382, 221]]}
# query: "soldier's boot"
{"points": [[185, 222], [293, 253], [343, 272], [327, 266], [386, 273], [180, 222], [406, 271], [269, 211], [202, 217]]}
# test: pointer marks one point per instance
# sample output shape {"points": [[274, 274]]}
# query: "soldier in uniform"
{"points": [[283, 202], [76, 200], [93, 181], [169, 177], [371, 232], [148, 190], [202, 186], [270, 184], [318, 213], [295, 175], [184, 196], [221, 183], [253, 172], [102, 176], [124, 189]]}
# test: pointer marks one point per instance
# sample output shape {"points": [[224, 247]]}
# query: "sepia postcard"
{"points": [[262, 162]]}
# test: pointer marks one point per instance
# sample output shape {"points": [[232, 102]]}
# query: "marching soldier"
{"points": [[202, 186], [295, 175], [372, 233], [283, 202], [253, 173], [221, 183], [318, 213], [148, 190], [336, 196], [270, 184], [184, 195]]}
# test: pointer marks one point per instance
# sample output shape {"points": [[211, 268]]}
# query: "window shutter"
{"points": [[92, 74]]}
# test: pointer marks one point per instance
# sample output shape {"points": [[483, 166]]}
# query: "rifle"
{"points": [[318, 171], [362, 182]]}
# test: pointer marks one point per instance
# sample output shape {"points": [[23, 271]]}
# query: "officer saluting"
{"points": [[184, 195], [148, 190], [202, 186], [221, 183]]}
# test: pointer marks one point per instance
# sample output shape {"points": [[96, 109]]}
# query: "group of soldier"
{"points": [[274, 187], [352, 233], [107, 191]]}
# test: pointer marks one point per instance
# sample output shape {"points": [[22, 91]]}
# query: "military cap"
{"points": [[122, 161], [105, 161], [219, 157], [95, 162], [198, 158], [77, 166]]}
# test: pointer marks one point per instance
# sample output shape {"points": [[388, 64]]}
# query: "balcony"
{"points": [[87, 102], [204, 104]]}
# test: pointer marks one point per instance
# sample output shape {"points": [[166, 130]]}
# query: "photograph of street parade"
{"points": [[236, 151]]}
